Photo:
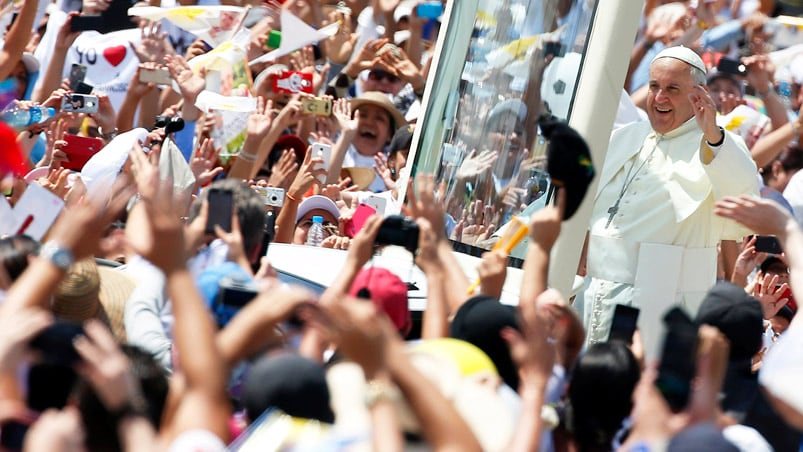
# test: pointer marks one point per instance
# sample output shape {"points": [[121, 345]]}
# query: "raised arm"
{"points": [[17, 38], [204, 403]]}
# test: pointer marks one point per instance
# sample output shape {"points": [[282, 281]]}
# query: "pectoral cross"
{"points": [[612, 212]]}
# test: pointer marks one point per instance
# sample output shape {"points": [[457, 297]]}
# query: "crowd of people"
{"points": [[146, 169]]}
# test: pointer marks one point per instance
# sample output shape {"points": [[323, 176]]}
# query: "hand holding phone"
{"points": [[623, 326], [768, 244], [79, 150], [731, 66]]}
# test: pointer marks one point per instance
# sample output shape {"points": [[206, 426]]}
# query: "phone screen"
{"points": [[624, 323], [220, 209], [678, 359]]}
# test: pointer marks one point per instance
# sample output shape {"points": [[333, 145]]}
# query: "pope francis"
{"points": [[653, 235]]}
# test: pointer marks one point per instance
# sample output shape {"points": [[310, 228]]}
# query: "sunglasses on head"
{"points": [[378, 74]]}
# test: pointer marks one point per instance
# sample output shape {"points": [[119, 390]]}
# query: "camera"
{"points": [[271, 196], [398, 230], [170, 123]]}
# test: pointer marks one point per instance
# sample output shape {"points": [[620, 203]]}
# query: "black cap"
{"points": [[479, 321], [568, 161], [737, 315], [289, 382]]}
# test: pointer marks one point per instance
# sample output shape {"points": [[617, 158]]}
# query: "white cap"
{"points": [[317, 202], [684, 54]]}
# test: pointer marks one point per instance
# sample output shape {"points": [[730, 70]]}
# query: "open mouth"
{"points": [[367, 133], [663, 109]]}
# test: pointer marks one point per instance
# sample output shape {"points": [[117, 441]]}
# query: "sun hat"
{"points": [[382, 101], [360, 176], [89, 291]]}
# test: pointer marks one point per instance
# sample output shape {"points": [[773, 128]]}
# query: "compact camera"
{"points": [[271, 196], [398, 230]]}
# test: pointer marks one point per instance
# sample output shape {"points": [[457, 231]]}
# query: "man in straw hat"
{"points": [[653, 235]]}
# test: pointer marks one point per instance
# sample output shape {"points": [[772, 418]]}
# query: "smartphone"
{"points": [[79, 150], [429, 10], [292, 82], [678, 364], [79, 103], [731, 66], [321, 106], [160, 76], [768, 244], [77, 74], [221, 206], [271, 196], [83, 88], [55, 343], [236, 295], [361, 214], [378, 203], [624, 323]]}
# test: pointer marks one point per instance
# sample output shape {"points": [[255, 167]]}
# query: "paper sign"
{"points": [[36, 211]]}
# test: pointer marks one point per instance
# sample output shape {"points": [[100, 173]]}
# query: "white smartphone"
{"points": [[378, 203], [324, 152]]}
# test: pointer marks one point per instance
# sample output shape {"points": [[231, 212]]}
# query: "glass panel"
{"points": [[486, 148]]}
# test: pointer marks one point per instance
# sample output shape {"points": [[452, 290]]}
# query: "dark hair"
{"points": [[600, 394], [791, 158], [100, 427], [250, 211], [14, 253]]}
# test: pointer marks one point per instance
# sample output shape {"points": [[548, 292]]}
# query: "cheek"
{"points": [[299, 236]]}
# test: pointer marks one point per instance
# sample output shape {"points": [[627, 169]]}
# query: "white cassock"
{"points": [[660, 246]]}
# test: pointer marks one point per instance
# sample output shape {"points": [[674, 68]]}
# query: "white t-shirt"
{"points": [[354, 158]]}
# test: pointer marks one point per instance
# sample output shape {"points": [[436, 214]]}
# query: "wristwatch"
{"points": [[58, 255]]}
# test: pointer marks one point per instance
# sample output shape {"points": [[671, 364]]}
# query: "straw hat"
{"points": [[380, 100], [89, 291], [360, 176]]}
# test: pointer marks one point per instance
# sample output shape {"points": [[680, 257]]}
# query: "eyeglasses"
{"points": [[378, 74]]}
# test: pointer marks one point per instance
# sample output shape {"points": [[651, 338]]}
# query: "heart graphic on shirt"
{"points": [[114, 55]]}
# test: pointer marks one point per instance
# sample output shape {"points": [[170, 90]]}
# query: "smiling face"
{"points": [[668, 104], [722, 88], [373, 130]]}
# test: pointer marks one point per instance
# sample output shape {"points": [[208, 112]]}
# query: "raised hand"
{"points": [[260, 120], [770, 294], [705, 110], [284, 170], [476, 164], [381, 168], [340, 46], [153, 45], [341, 110], [204, 163], [424, 201], [161, 240], [107, 368], [189, 83]]}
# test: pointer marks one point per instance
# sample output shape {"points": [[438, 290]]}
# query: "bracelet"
{"points": [[289, 196], [702, 25], [246, 157], [109, 135], [718, 143]]}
